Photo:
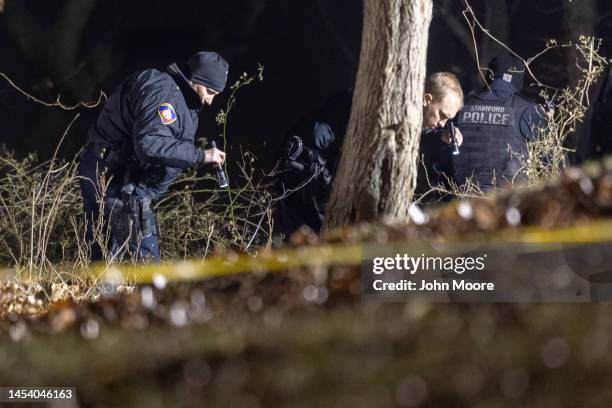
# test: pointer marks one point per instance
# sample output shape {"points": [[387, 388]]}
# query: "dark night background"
{"points": [[310, 51]]}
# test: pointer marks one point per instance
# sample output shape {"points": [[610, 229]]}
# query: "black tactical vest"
{"points": [[493, 152]]}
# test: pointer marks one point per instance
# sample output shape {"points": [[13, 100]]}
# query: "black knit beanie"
{"points": [[508, 68], [209, 69]]}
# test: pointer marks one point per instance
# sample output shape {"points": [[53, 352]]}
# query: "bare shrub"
{"points": [[567, 108], [42, 225]]}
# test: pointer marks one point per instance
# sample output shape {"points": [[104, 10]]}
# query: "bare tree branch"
{"points": [[69, 33], [581, 19], [335, 35], [474, 23], [457, 27], [101, 99], [497, 13]]}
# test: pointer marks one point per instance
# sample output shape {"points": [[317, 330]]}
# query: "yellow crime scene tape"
{"points": [[540, 239], [348, 255], [269, 261]]}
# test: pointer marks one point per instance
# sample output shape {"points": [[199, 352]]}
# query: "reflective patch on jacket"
{"points": [[487, 115], [167, 113]]}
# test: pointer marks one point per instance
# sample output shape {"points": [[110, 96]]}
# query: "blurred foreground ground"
{"points": [[304, 338], [341, 354]]}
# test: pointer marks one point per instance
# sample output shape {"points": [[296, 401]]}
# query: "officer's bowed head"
{"points": [[207, 74], [442, 99]]}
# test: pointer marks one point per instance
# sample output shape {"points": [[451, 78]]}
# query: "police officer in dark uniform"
{"points": [[442, 100], [142, 140], [497, 123], [309, 158]]}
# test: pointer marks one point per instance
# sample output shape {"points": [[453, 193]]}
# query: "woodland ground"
{"points": [[305, 338]]}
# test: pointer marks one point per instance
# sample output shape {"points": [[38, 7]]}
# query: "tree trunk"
{"points": [[497, 17], [377, 171], [497, 21], [581, 19]]}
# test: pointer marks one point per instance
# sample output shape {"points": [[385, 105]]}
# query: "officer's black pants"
{"points": [[90, 170]]}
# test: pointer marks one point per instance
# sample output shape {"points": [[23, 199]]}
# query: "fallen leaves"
{"points": [[577, 196]]}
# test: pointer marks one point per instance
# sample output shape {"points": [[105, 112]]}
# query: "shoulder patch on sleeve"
{"points": [[166, 113]]}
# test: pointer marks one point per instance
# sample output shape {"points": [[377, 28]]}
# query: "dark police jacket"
{"points": [[322, 133], [435, 167], [149, 123], [496, 125]]}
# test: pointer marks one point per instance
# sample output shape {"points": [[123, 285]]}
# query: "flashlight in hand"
{"points": [[453, 139], [221, 177]]}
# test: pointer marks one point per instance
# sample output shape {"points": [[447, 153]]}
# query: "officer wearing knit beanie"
{"points": [[143, 139], [510, 69], [208, 69], [497, 124]]}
